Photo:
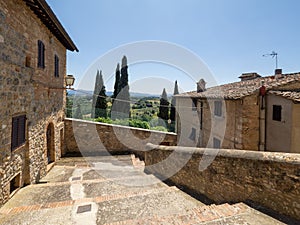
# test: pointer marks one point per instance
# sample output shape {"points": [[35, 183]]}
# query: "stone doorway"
{"points": [[50, 143]]}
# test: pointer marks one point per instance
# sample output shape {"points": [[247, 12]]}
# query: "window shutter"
{"points": [[18, 131], [41, 54], [21, 130], [56, 66], [14, 135]]}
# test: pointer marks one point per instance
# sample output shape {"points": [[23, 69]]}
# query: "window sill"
{"points": [[19, 148]]}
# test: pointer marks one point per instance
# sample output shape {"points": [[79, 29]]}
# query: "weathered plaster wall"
{"points": [[279, 133], [295, 145], [95, 138], [237, 127], [269, 179]]}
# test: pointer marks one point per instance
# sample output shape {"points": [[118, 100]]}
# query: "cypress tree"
{"points": [[69, 106], [78, 113], [117, 82], [121, 105], [164, 106], [101, 102], [97, 89], [173, 103]]}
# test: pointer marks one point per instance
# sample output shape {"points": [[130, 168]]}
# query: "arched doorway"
{"points": [[50, 143]]}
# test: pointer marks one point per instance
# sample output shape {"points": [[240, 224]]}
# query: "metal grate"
{"points": [[76, 178], [84, 208]]}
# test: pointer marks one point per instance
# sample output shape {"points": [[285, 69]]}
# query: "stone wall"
{"points": [[88, 138], [24, 90], [267, 179]]}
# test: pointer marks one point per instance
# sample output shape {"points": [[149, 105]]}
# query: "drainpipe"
{"points": [[262, 118]]}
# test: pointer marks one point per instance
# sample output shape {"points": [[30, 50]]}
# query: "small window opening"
{"points": [[277, 112], [15, 183]]}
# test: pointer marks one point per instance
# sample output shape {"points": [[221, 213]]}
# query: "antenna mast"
{"points": [[273, 55]]}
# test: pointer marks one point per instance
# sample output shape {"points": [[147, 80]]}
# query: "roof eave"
{"points": [[47, 16]]}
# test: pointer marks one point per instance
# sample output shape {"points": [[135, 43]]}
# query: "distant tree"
{"points": [[97, 89], [121, 105], [101, 102], [173, 103], [69, 106], [78, 113], [164, 106], [117, 82]]}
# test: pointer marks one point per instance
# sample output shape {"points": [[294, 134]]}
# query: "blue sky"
{"points": [[230, 36]]}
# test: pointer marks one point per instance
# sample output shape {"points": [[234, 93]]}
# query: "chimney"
{"points": [[278, 73], [249, 76], [201, 86]]}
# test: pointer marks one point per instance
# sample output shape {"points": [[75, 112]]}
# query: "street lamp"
{"points": [[70, 79]]}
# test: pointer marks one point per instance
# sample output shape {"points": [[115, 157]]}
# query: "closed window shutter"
{"points": [[21, 130], [14, 136], [56, 66], [18, 131], [41, 54]]}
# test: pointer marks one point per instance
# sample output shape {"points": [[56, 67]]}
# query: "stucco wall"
{"points": [[268, 179], [237, 127], [295, 145], [86, 138], [279, 133]]}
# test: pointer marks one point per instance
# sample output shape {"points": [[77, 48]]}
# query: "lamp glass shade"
{"points": [[70, 80]]}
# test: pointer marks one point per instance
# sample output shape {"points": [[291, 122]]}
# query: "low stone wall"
{"points": [[271, 180], [88, 138]]}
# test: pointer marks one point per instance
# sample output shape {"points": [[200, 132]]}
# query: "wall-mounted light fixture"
{"points": [[70, 79]]}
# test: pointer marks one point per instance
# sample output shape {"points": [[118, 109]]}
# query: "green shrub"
{"points": [[104, 120], [139, 124], [159, 128]]}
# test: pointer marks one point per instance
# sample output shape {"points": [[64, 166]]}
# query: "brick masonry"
{"points": [[24, 91], [268, 179], [94, 138]]}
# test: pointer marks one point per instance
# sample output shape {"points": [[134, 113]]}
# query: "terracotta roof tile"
{"points": [[292, 95], [245, 88]]}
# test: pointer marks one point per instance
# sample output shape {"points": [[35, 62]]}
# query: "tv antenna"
{"points": [[273, 55]]}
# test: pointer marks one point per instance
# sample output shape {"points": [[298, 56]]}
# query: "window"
{"points": [[218, 108], [201, 115], [277, 112], [41, 54], [217, 143], [28, 61], [14, 183], [193, 134], [56, 66], [18, 131], [194, 105]]}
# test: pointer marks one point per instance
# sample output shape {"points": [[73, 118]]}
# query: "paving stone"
{"points": [[126, 196]]}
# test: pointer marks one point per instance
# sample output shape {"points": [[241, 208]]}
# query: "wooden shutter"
{"points": [[56, 66], [18, 131], [14, 135], [21, 130], [41, 54]]}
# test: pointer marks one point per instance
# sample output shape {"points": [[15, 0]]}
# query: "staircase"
{"points": [[115, 190]]}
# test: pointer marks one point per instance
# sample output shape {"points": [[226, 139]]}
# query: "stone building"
{"points": [[33, 47], [256, 113]]}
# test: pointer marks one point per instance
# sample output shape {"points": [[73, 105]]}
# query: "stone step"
{"points": [[207, 215], [144, 209], [137, 163]]}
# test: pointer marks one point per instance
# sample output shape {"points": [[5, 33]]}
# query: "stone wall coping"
{"points": [[280, 157], [119, 126]]}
